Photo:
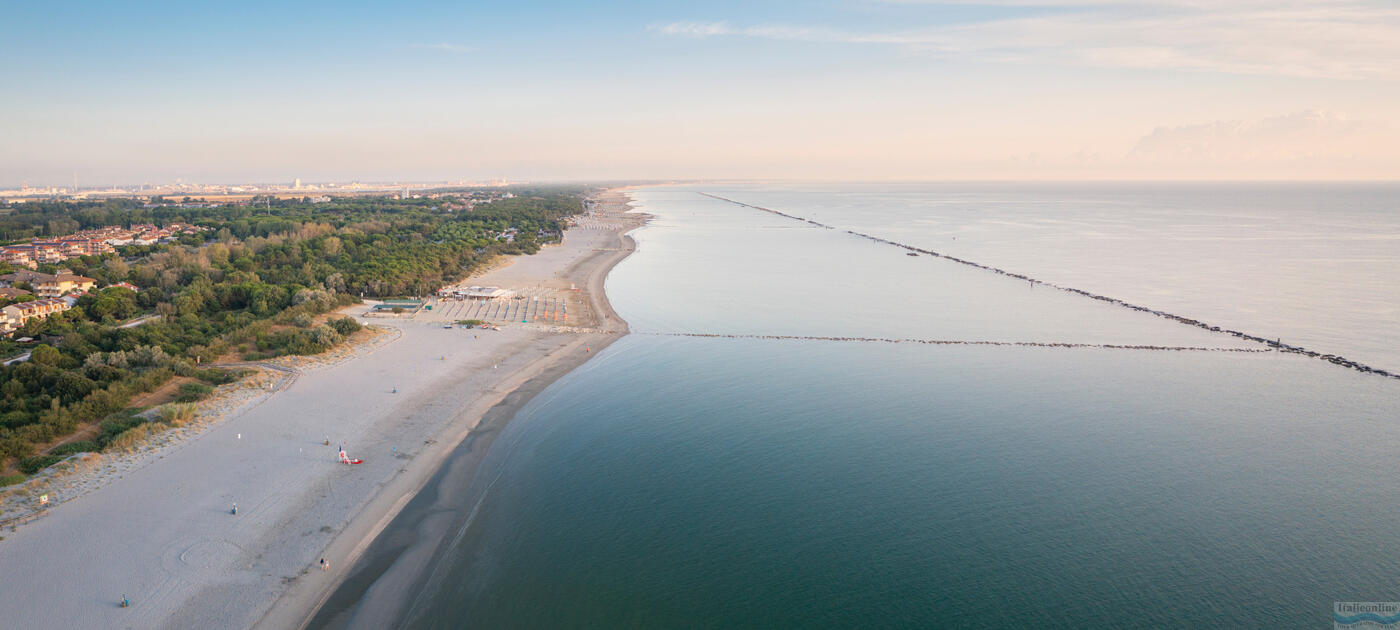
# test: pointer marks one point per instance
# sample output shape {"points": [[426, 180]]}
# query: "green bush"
{"points": [[175, 414], [216, 376], [31, 465], [345, 325], [75, 447], [112, 427], [182, 367], [190, 392], [323, 337], [10, 480]]}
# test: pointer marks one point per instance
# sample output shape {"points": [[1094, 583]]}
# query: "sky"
{"points": [[220, 92]]}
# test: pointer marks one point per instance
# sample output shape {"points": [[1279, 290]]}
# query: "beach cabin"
{"points": [[485, 293]]}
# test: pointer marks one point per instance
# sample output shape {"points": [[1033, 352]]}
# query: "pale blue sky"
{"points": [[852, 89]]}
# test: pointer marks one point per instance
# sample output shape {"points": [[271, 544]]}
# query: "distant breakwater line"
{"points": [[963, 342], [1274, 344]]}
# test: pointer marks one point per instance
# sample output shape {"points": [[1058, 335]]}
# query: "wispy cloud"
{"points": [[456, 49], [693, 29], [1346, 39], [701, 30], [1311, 135], [1130, 4]]}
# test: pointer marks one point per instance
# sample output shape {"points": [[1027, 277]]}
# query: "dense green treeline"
{"points": [[55, 218], [251, 286]]}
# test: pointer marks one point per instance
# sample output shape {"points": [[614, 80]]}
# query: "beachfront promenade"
{"points": [[164, 535]]}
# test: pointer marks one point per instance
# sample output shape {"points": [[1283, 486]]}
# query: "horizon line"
{"points": [[697, 180]]}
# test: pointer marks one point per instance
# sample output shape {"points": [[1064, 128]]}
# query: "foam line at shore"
{"points": [[1272, 343]]}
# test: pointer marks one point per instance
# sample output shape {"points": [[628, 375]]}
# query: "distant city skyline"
{"points": [[849, 90], [221, 192]]}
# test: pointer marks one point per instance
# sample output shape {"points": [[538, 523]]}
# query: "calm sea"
{"points": [[721, 482], [1317, 265]]}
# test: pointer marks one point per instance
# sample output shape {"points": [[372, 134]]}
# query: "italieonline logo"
{"points": [[1362, 615]]}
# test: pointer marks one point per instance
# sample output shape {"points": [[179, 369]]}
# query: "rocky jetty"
{"points": [[961, 342], [1273, 344]]}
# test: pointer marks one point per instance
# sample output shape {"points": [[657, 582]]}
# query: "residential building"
{"points": [[23, 275], [61, 284], [15, 315], [90, 242]]}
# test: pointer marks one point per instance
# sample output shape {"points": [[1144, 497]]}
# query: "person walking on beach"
{"points": [[325, 565]]}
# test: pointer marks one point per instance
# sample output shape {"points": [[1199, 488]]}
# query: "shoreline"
{"points": [[163, 532], [85, 473], [363, 565]]}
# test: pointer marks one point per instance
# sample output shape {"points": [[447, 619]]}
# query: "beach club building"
{"points": [[474, 293]]}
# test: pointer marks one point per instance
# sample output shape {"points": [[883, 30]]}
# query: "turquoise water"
{"points": [[687, 483], [683, 482]]}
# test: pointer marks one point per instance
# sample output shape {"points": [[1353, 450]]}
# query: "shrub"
{"points": [[175, 414], [45, 355], [16, 419], [215, 349], [148, 355], [216, 376], [110, 428], [323, 337], [31, 465], [10, 480], [345, 325], [133, 437], [302, 320], [182, 367], [190, 392], [75, 447]]}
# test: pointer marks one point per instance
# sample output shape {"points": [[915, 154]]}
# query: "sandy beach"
{"points": [[163, 534]]}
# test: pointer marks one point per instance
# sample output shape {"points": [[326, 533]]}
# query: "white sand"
{"points": [[163, 535]]}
